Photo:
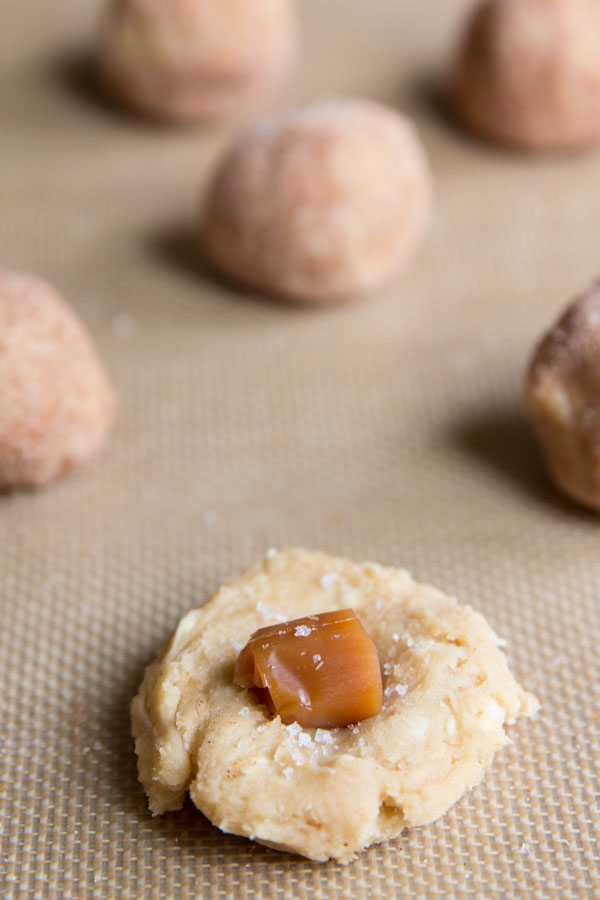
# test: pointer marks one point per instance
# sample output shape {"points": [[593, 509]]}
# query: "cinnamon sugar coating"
{"points": [[563, 395], [56, 403], [528, 73], [194, 60], [319, 203]]}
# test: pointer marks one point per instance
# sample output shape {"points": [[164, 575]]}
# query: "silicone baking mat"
{"points": [[390, 430]]}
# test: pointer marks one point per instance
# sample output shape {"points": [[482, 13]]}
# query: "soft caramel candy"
{"points": [[321, 671]]}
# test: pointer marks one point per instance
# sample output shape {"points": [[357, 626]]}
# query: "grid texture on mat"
{"points": [[391, 430]]}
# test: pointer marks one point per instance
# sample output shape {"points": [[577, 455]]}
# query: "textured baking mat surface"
{"points": [[391, 431]]}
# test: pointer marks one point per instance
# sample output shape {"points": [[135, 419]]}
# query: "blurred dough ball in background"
{"points": [[195, 60], [319, 203], [563, 395], [56, 402], [528, 73]]}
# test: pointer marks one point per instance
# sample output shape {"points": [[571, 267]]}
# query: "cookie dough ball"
{"points": [[191, 60], [320, 203], [56, 403], [447, 693], [529, 73], [563, 395]]}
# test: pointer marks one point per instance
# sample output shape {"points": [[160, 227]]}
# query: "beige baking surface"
{"points": [[391, 430]]}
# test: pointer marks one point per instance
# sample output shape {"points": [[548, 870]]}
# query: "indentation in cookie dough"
{"points": [[326, 792]]}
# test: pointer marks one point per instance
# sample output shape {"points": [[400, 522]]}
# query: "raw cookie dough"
{"points": [[528, 73], [56, 402], [319, 203], [325, 793], [194, 60], [563, 395]]}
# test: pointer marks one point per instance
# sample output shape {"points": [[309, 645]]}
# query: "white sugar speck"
{"points": [[123, 326], [389, 691], [395, 637], [322, 736], [244, 711], [294, 729], [525, 848], [402, 689], [387, 668], [354, 729], [317, 658], [305, 739], [288, 771], [270, 553], [408, 640], [297, 756], [329, 579], [303, 697], [302, 631]]}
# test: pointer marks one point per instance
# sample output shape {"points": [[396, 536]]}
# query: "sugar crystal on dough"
{"points": [[329, 579], [322, 736]]}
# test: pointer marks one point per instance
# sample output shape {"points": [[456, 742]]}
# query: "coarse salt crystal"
{"points": [[402, 689], [302, 631]]}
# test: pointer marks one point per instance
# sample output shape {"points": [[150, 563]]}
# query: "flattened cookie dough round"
{"points": [[325, 793]]}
